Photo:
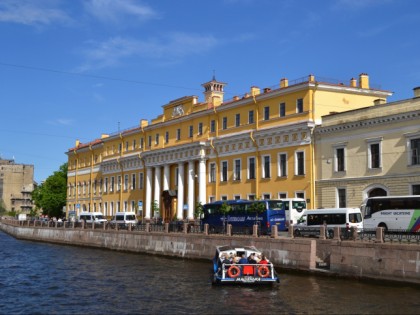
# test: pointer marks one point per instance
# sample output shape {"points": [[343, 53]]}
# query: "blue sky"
{"points": [[74, 69]]}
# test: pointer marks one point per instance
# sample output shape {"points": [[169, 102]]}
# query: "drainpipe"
{"points": [[312, 147], [217, 167], [257, 163]]}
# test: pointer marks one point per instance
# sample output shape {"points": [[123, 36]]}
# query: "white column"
{"points": [[166, 176], [157, 190], [148, 203], [180, 201], [202, 182], [191, 190]]}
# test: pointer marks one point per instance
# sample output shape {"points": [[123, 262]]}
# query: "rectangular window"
{"points": [[251, 168], [266, 167], [133, 181], [283, 164], [119, 183], [149, 142], [157, 139], [299, 105], [111, 188], [200, 129], [251, 117], [213, 126], [212, 178], [341, 198], [167, 137], [141, 180], [133, 206], [282, 109], [178, 134], [340, 160], [300, 163], [374, 155], [126, 182], [176, 176], [415, 151], [415, 189], [299, 194], [224, 123], [126, 146], [106, 185], [266, 196], [191, 131], [237, 120], [141, 143], [282, 195], [134, 144], [237, 172], [266, 113], [224, 175]]}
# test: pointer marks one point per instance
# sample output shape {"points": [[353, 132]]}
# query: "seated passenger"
{"points": [[225, 260], [243, 260], [251, 259], [263, 260]]}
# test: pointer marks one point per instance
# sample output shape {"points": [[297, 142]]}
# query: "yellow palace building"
{"points": [[255, 146]]}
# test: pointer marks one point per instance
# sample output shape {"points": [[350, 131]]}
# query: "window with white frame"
{"points": [[133, 181], [414, 149], [266, 112], [282, 195], [237, 120], [224, 171], [374, 153], [266, 172], [282, 109], [237, 197], [141, 180], [299, 163], [237, 170], [224, 197], [282, 164], [212, 177], [119, 183], [251, 167], [341, 198], [339, 159], [251, 117], [299, 105], [266, 196], [251, 197], [300, 194], [212, 198]]}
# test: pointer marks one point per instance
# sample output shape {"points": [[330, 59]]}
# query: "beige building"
{"points": [[16, 186], [257, 145], [367, 152]]}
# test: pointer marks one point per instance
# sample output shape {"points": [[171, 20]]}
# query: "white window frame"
{"points": [[282, 194], [212, 172], [337, 147], [279, 169], [249, 168], [263, 172], [371, 142], [237, 175], [221, 171], [297, 163]]}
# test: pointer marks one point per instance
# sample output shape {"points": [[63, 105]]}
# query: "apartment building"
{"points": [[367, 152], [16, 186], [256, 145]]}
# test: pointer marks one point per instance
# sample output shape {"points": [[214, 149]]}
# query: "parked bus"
{"points": [[294, 209], [242, 215], [392, 213], [333, 217]]}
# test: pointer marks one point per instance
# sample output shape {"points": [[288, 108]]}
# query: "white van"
{"points": [[125, 218], [92, 217], [332, 217]]}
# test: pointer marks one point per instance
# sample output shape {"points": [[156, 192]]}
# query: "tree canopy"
{"points": [[50, 196]]}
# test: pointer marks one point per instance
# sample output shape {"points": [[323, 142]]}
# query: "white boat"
{"points": [[228, 268]]}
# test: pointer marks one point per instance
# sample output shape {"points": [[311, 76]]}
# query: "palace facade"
{"points": [[255, 146]]}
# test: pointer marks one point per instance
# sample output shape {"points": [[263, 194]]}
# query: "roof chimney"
{"points": [[353, 82], [363, 81], [416, 92], [255, 90], [379, 101], [284, 83]]}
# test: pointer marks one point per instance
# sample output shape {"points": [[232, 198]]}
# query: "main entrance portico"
{"points": [[188, 166]]}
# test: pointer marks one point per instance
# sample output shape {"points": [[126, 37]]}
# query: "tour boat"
{"points": [[242, 265]]}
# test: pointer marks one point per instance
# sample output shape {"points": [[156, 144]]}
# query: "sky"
{"points": [[75, 69]]}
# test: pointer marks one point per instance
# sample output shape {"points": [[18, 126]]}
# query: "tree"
{"points": [[199, 210], [50, 196], [225, 209], [258, 207]]}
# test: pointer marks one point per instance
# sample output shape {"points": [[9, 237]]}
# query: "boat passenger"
{"points": [[243, 260], [263, 260], [225, 260], [251, 259]]}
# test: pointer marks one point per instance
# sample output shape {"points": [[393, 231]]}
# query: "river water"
{"points": [[41, 278]]}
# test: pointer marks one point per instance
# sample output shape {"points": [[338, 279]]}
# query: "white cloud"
{"points": [[29, 12], [170, 46], [118, 10]]}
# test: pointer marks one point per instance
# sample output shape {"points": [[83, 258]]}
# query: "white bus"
{"points": [[331, 217], [294, 209], [392, 213]]}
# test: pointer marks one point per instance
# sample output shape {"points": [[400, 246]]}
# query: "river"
{"points": [[42, 278]]}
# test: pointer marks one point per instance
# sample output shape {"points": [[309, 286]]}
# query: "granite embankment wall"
{"points": [[396, 262]]}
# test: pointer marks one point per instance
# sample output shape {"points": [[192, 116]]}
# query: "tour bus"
{"points": [[294, 209], [242, 214], [392, 212], [331, 217]]}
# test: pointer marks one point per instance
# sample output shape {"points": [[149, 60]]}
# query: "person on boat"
{"points": [[225, 260], [263, 260], [251, 259], [243, 260]]}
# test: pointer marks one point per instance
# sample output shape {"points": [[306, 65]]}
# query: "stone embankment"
{"points": [[350, 258]]}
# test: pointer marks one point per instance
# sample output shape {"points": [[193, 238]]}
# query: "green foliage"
{"points": [[225, 208], [199, 209], [257, 207], [50, 196]]}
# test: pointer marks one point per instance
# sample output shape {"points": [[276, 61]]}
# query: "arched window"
{"points": [[377, 192]]}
